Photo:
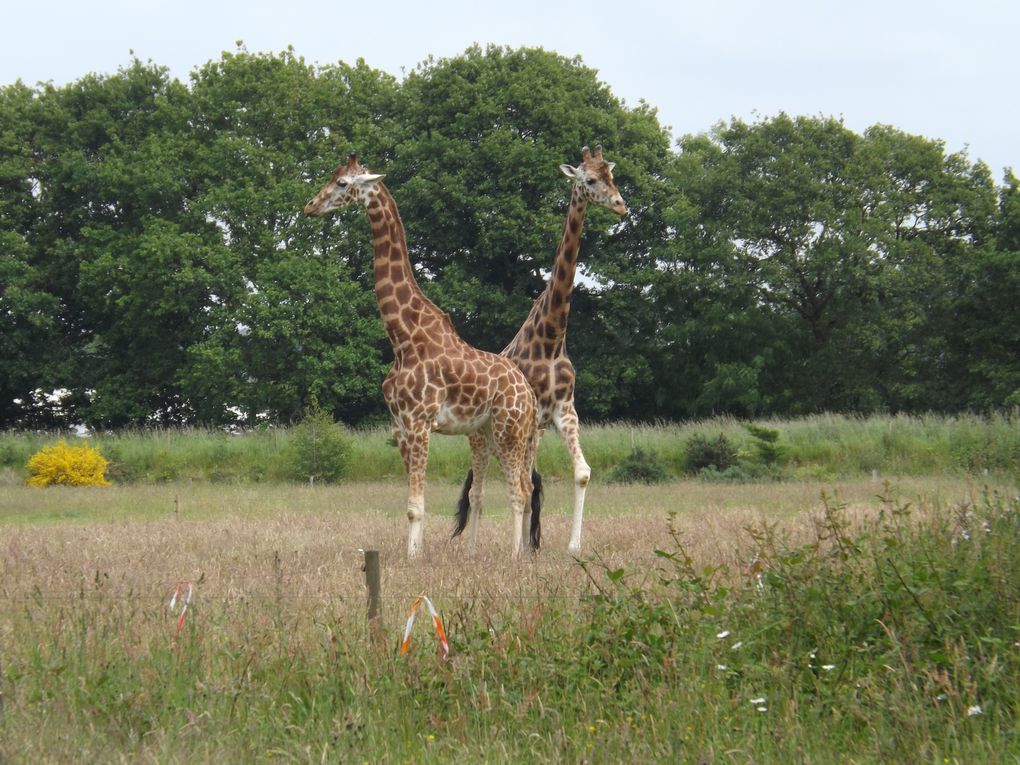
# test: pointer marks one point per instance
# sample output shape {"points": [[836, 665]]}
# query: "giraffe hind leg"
{"points": [[536, 509], [537, 493], [469, 507], [516, 447], [463, 505]]}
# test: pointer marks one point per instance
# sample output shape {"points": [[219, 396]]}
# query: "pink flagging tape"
{"points": [[185, 600], [444, 646]]}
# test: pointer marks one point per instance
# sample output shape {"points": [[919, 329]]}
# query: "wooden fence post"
{"points": [[373, 579]]}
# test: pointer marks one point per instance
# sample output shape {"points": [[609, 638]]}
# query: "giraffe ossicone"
{"points": [[539, 347], [438, 383]]}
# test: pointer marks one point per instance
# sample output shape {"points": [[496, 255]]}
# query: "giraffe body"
{"points": [[539, 347], [438, 383]]}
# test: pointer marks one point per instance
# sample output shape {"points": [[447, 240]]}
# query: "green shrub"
{"points": [[701, 452], [639, 467], [319, 449], [765, 444]]}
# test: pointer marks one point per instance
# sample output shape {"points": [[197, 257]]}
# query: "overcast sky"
{"points": [[945, 70]]}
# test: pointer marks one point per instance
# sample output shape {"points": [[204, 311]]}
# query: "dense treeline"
{"points": [[155, 267]]}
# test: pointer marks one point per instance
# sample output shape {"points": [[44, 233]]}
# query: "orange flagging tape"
{"points": [[185, 600], [444, 646]]}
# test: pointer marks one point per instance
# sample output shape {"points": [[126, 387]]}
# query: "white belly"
{"points": [[452, 422]]}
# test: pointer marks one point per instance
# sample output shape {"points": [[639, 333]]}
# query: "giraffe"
{"points": [[437, 382], [539, 347]]}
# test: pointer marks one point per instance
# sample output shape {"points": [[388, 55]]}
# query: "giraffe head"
{"points": [[594, 179], [350, 182]]}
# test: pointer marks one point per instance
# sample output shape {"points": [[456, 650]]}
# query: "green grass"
{"points": [[823, 447], [880, 626]]}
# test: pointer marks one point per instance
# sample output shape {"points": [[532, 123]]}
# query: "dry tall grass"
{"points": [[296, 549]]}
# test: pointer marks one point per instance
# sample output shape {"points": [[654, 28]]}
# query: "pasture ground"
{"points": [[742, 640]]}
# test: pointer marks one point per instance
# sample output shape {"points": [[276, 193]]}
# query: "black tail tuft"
{"points": [[536, 510], [463, 505]]}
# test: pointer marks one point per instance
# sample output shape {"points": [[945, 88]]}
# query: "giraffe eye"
{"points": [[591, 181], [341, 184]]}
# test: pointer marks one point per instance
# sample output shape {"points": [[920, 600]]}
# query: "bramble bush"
{"points": [[639, 467], [702, 452], [899, 631], [65, 465]]}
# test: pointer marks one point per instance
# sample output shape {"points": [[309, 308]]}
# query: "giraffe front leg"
{"points": [[414, 448], [566, 423]]}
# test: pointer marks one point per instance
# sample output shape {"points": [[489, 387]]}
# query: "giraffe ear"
{"points": [[573, 173], [369, 177], [611, 165]]}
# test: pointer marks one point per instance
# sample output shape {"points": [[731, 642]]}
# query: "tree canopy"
{"points": [[155, 268]]}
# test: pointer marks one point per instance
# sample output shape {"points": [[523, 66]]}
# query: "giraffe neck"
{"points": [[556, 300], [402, 304]]}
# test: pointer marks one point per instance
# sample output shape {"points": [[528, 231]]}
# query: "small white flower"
{"points": [[736, 645], [760, 701], [828, 667], [723, 634], [721, 667], [974, 711], [763, 709]]}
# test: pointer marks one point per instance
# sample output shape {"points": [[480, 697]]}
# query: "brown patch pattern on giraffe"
{"points": [[437, 381], [539, 347]]}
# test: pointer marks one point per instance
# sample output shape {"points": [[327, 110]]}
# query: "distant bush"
{"points": [[765, 444], [639, 467], [741, 473], [702, 452], [319, 450], [67, 466]]}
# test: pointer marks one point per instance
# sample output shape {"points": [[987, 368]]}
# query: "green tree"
{"points": [[475, 171], [984, 335], [154, 262], [29, 333], [296, 320], [712, 335], [106, 177], [851, 247], [930, 215]]}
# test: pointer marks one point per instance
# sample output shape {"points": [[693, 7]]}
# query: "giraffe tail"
{"points": [[536, 509], [463, 506]]}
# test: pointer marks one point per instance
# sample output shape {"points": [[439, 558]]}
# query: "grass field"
{"points": [[880, 623], [825, 447]]}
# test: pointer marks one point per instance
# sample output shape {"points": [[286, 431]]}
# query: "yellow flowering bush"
{"points": [[67, 465]]}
